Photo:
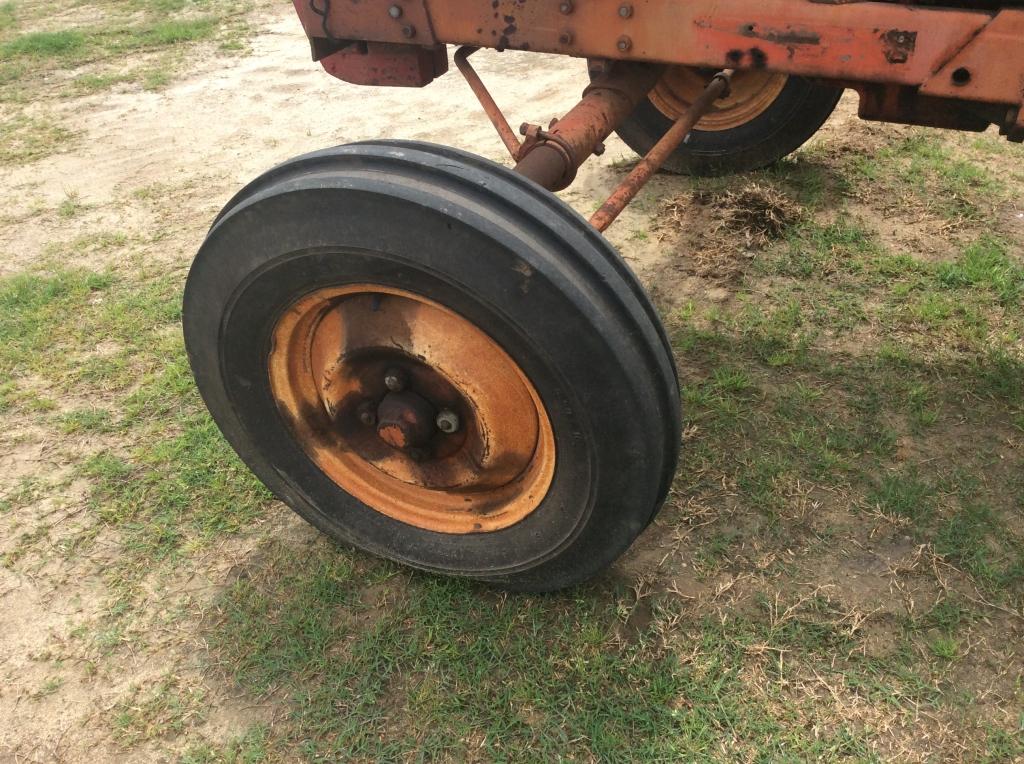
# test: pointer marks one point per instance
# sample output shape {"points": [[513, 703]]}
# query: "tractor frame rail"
{"points": [[959, 66]]}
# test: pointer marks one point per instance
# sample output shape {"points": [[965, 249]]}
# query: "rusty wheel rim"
{"points": [[366, 376], [750, 93]]}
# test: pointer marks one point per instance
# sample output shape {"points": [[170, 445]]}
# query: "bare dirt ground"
{"points": [[149, 170]]}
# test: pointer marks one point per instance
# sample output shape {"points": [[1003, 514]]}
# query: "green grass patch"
{"points": [[450, 670], [25, 139], [181, 485]]}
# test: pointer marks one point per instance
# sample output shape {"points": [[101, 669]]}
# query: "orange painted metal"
{"points": [[508, 137], [880, 42], [656, 157], [331, 354], [369, 21], [388, 65], [551, 157], [988, 68]]}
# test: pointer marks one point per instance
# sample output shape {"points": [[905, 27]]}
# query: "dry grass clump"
{"points": [[721, 230], [758, 212]]}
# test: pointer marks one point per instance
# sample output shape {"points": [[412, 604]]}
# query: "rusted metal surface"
{"points": [[656, 157], [750, 93], [329, 367], [385, 64], [986, 69], [406, 420], [401, 21], [967, 53], [904, 105], [508, 137], [551, 157], [857, 40]]}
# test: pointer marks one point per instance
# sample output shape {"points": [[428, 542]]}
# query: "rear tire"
{"points": [[796, 113], [431, 226]]}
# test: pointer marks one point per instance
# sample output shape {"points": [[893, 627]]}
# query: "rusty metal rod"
{"points": [[646, 167], [508, 136], [553, 158]]}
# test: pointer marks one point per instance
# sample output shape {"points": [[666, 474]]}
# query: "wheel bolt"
{"points": [[366, 413], [395, 380], [447, 421]]}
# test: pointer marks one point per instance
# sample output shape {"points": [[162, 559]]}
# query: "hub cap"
{"points": [[411, 409]]}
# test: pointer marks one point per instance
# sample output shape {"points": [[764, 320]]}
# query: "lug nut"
{"points": [[448, 421], [366, 413], [395, 380], [395, 12], [625, 10]]}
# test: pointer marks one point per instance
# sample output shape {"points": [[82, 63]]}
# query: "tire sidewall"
{"points": [[603, 457], [800, 109]]}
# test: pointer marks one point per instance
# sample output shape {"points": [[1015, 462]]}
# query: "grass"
{"points": [[25, 139], [834, 576], [166, 709], [142, 42], [451, 670], [180, 485]]}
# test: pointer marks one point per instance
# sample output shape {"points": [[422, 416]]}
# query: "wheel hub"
{"points": [[750, 93], [405, 420], [411, 409]]}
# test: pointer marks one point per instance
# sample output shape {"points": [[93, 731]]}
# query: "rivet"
{"points": [[625, 10], [395, 12], [624, 44], [408, 31], [565, 7], [565, 38]]}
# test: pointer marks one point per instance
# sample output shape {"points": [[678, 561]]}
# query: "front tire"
{"points": [[496, 304]]}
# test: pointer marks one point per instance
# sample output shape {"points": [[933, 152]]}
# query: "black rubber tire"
{"points": [[801, 108], [505, 254]]}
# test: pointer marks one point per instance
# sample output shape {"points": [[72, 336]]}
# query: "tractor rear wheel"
{"points": [[431, 358], [765, 117]]}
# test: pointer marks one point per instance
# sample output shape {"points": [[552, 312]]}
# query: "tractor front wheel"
{"points": [[431, 358]]}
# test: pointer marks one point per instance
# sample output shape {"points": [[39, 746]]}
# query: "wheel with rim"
{"points": [[431, 358], [766, 116]]}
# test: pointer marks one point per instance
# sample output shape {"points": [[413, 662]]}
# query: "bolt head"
{"points": [[395, 11], [395, 380], [447, 421], [624, 44], [565, 38], [367, 415], [408, 31], [625, 10], [565, 7]]}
